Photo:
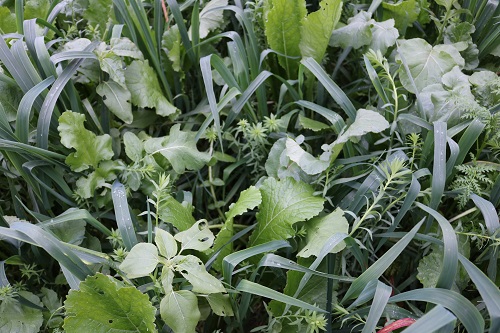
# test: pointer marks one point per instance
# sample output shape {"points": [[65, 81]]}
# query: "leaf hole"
{"points": [[110, 321]]}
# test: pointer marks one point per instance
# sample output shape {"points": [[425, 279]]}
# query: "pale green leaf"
{"points": [[36, 9], [15, 317], [105, 173], [104, 304], [7, 21], [140, 261], [284, 203], [403, 12], [124, 47], [171, 43], [310, 164], [220, 304], [210, 18], [179, 148], [384, 35], [90, 149], [427, 64], [283, 30], [317, 28], [117, 99], [249, 199], [142, 82], [320, 229], [367, 121], [198, 237], [111, 64], [133, 146], [195, 272], [356, 33], [167, 246], [179, 310]]}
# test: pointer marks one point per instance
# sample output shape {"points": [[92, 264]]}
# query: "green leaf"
{"points": [[384, 35], [220, 304], [124, 47], [134, 147], [283, 21], [117, 99], [195, 272], [90, 149], [140, 261], [427, 64], [171, 43], [179, 310], [179, 148], [167, 246], [210, 18], [284, 203], [198, 237], [142, 82], [7, 21], [104, 304], [36, 9], [71, 232], [367, 121], [320, 229], [308, 163], [180, 215], [311, 124], [15, 317], [404, 13], [10, 97], [98, 12], [356, 33], [105, 173], [317, 28]]}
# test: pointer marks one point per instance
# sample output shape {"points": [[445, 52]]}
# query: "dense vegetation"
{"points": [[239, 166]]}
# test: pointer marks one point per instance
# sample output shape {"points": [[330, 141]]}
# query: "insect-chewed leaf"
{"points": [[198, 237], [194, 271]]}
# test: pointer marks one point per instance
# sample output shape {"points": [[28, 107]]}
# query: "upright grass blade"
{"points": [[382, 294], [206, 72], [74, 214], [433, 320], [439, 167], [257, 289], [489, 213], [381, 265], [179, 20], [122, 214], [4, 282], [461, 307], [338, 95]]}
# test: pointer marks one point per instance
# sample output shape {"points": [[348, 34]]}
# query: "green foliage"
{"points": [[17, 317]]}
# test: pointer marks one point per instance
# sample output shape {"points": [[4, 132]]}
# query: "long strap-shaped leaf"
{"points": [[461, 307], [382, 294], [122, 214], [433, 320]]}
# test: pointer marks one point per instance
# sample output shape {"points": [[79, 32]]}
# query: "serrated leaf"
{"points": [[283, 30], [284, 203], [167, 246], [308, 163], [320, 229], [198, 237], [427, 64], [179, 310], [317, 29], [90, 149], [171, 43], [7, 21], [104, 304], [142, 82], [117, 99], [140, 261], [220, 304], [15, 317], [105, 173], [195, 272], [355, 34], [249, 199], [210, 18], [179, 148], [384, 35]]}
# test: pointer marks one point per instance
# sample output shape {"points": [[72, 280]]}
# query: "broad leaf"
{"points": [[356, 33], [124, 47], [98, 12], [167, 246], [10, 97], [320, 229], [220, 304], [195, 272], [283, 21], [90, 149], [317, 28], [367, 121], [179, 148], [179, 310], [210, 18], [171, 43], [284, 203], [311, 124], [140, 261], [180, 215], [384, 35], [105, 173], [104, 304], [117, 99], [36, 9], [403, 12], [134, 147], [7, 21], [310, 164], [143, 84], [427, 64], [15, 317], [198, 237]]}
